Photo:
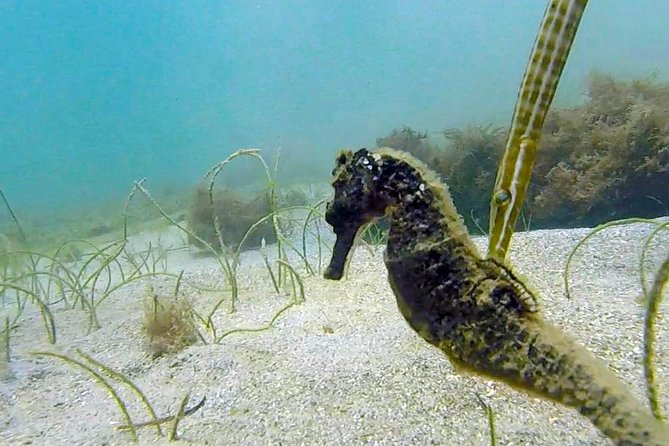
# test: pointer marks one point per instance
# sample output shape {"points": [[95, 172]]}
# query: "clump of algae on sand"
{"points": [[169, 324]]}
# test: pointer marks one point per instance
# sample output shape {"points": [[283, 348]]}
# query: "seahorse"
{"points": [[477, 311]]}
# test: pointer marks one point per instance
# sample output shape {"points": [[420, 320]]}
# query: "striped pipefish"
{"points": [[540, 81]]}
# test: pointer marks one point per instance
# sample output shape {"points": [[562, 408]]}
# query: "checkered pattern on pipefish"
{"points": [[542, 74]]}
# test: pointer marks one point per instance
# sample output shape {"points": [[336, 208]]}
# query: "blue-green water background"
{"points": [[97, 94]]}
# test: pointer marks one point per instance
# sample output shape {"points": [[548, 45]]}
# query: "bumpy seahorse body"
{"points": [[475, 310]]}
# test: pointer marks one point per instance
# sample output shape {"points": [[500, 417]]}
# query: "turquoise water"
{"points": [[97, 94]]}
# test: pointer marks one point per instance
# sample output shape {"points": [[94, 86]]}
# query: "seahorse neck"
{"points": [[420, 207]]}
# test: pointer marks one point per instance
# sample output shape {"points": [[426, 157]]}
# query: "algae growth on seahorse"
{"points": [[475, 310]]}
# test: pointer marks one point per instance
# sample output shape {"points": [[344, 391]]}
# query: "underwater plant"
{"points": [[295, 196], [607, 158], [600, 160], [490, 415], [375, 233], [104, 376], [228, 259], [408, 140], [15, 219], [97, 371], [5, 350], [235, 216], [468, 167], [169, 323], [476, 310]]}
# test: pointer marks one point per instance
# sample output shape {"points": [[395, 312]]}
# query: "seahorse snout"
{"points": [[342, 247]]}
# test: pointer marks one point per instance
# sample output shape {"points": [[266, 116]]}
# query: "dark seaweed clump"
{"points": [[606, 159], [235, 216]]}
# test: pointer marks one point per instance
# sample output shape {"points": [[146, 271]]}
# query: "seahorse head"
{"points": [[354, 204]]}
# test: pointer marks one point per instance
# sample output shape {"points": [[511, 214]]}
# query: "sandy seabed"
{"points": [[341, 368]]}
